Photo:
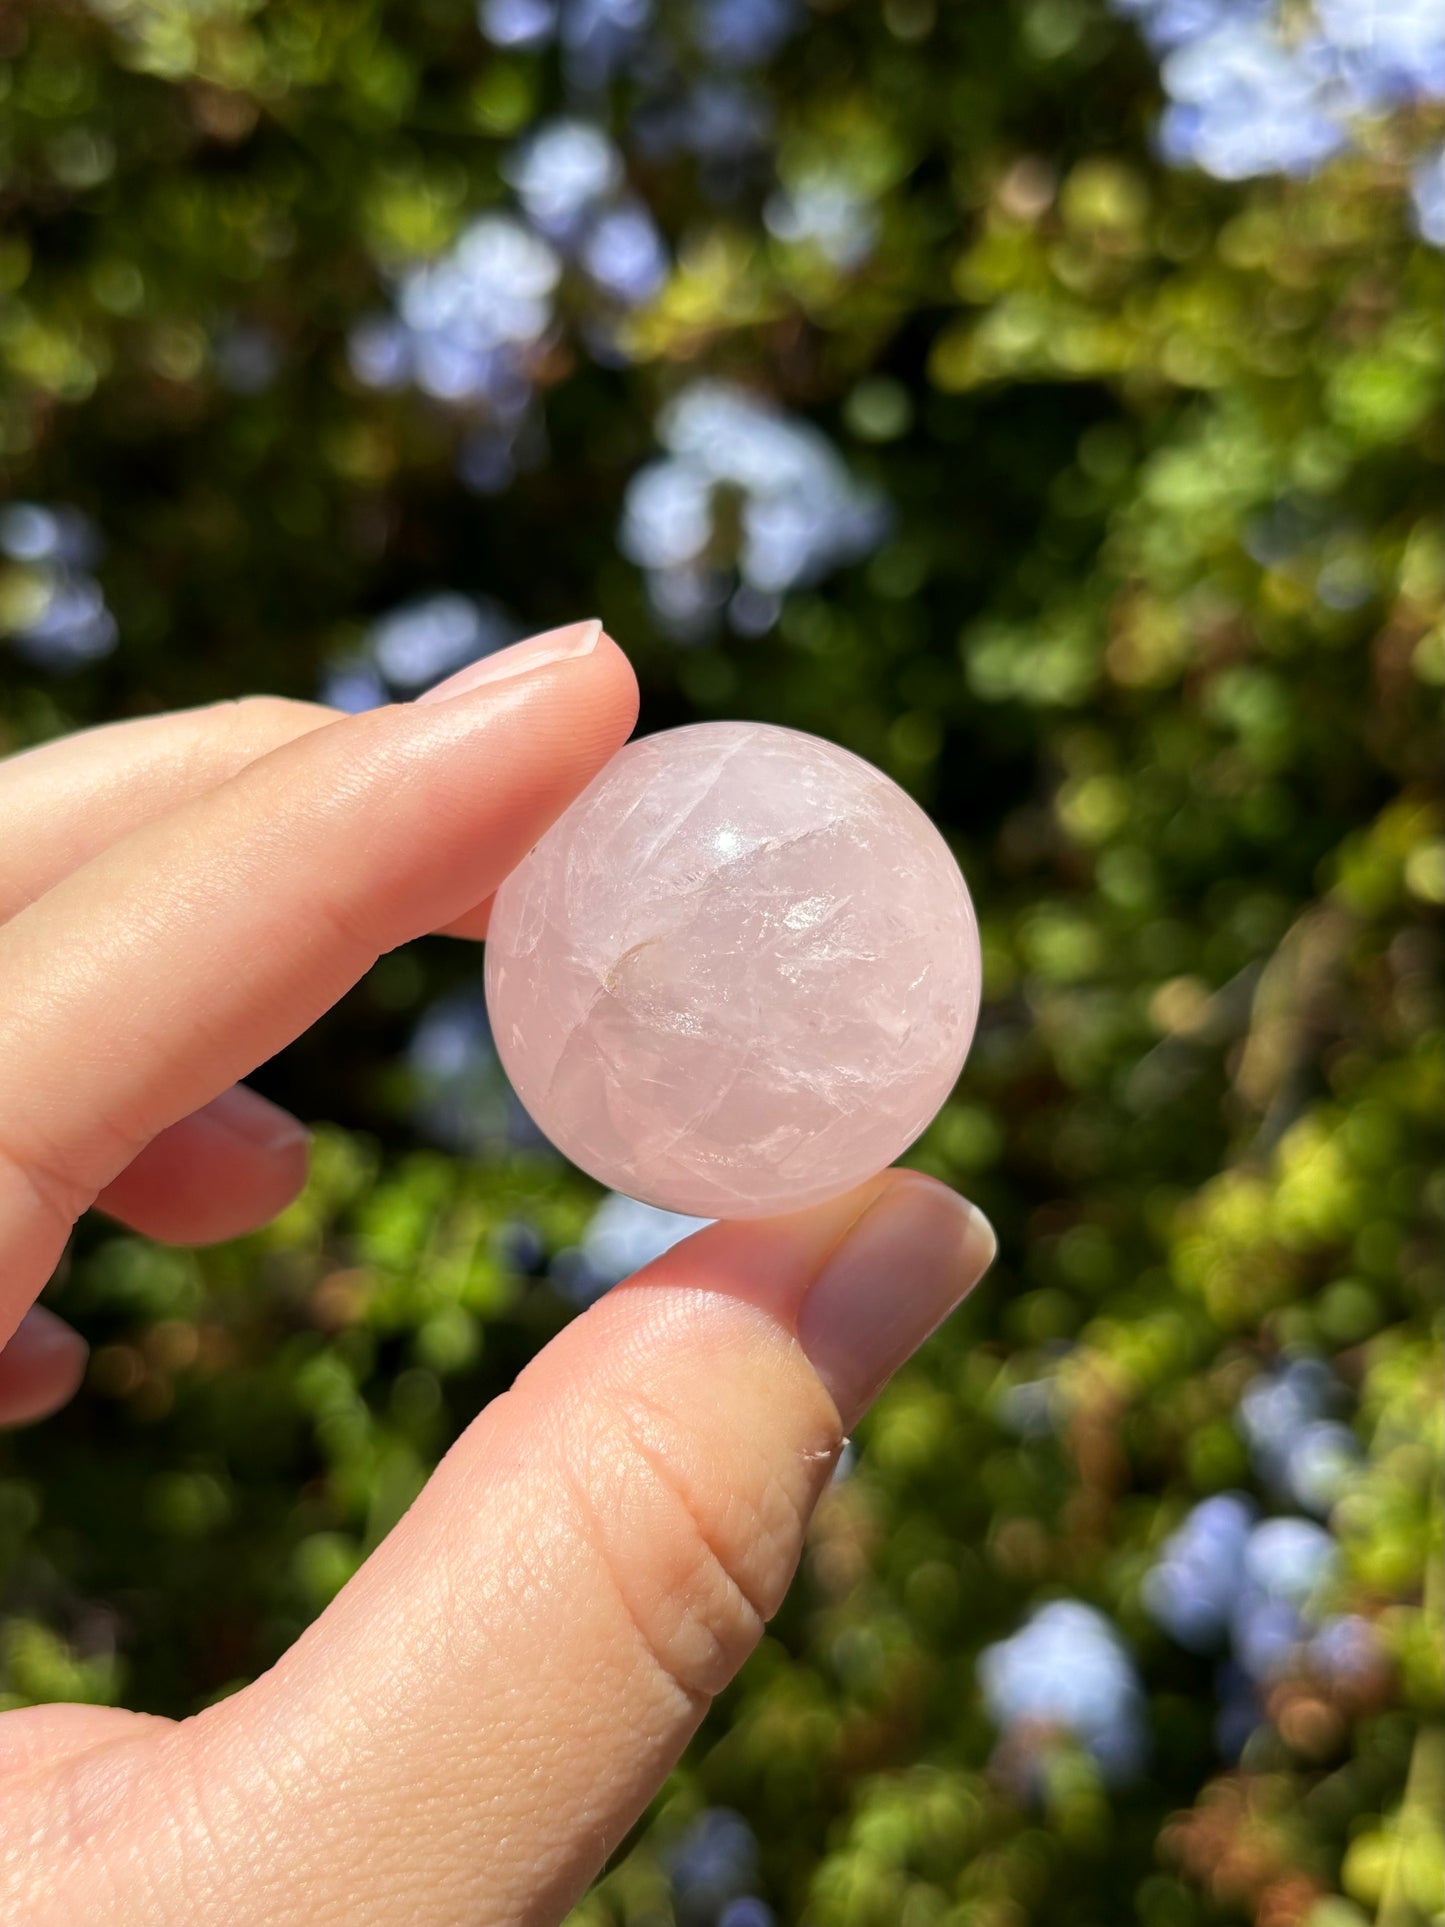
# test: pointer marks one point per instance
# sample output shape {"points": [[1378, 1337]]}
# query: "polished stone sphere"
{"points": [[738, 975]]}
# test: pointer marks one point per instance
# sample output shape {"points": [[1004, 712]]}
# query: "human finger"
{"points": [[44, 1737], [148, 981], [63, 802], [226, 1169], [40, 1367], [480, 1716]]}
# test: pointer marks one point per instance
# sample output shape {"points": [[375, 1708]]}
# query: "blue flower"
{"points": [[1287, 1564], [1192, 1589], [561, 172], [667, 515], [1256, 88], [1244, 103], [713, 1862], [1427, 196], [1289, 1560], [352, 686], [801, 512], [1224, 1579], [467, 324], [1172, 23], [415, 645], [518, 23], [747, 1911], [823, 212], [744, 33], [624, 1235], [57, 615], [600, 37], [1302, 1451], [624, 253], [1068, 1670], [1346, 1650], [1390, 52], [461, 1096], [62, 537]]}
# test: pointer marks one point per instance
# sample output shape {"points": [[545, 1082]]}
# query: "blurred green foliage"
{"points": [[1154, 633]]}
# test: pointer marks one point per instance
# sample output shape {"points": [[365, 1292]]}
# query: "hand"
{"points": [[477, 1719]]}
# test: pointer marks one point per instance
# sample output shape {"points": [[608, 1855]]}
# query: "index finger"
{"points": [[175, 961], [65, 801]]}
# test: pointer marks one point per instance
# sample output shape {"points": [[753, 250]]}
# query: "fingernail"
{"points": [[897, 1274], [254, 1120], [538, 652]]}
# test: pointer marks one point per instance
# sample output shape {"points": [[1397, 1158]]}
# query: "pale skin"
{"points": [[468, 1730]]}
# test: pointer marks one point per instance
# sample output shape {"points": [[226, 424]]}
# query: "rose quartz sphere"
{"points": [[739, 975]]}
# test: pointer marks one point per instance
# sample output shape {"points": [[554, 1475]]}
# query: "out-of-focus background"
{"points": [[1043, 400]]}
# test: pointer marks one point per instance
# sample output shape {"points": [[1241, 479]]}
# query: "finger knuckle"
{"points": [[58, 1858], [50, 1195], [699, 1544], [352, 925]]}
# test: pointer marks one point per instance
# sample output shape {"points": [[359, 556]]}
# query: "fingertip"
{"points": [[227, 1169], [602, 699], [41, 1367], [571, 646], [621, 681], [902, 1267], [612, 660], [861, 1281], [603, 702]]}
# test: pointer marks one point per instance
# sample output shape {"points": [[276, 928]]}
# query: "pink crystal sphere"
{"points": [[738, 975]]}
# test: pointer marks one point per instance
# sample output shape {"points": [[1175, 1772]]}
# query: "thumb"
{"points": [[480, 1716]]}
